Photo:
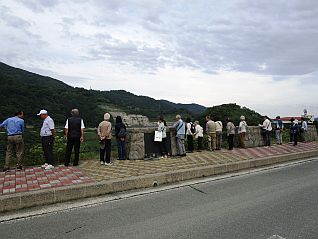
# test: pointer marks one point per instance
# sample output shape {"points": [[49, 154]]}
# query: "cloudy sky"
{"points": [[261, 54]]}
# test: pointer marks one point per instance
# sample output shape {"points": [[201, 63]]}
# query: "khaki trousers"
{"points": [[15, 146], [212, 141]]}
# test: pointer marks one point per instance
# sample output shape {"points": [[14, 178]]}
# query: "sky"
{"points": [[260, 54]]}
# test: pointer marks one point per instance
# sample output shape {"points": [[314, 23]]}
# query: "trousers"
{"points": [[15, 146]]}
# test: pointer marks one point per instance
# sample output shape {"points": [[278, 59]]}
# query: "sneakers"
{"points": [[101, 163], [45, 165], [108, 164], [49, 167]]}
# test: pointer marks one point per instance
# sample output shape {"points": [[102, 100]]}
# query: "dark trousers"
{"points": [[295, 138], [230, 140], [47, 145], [190, 143], [105, 150], [200, 140], [163, 147], [121, 147], [267, 138], [76, 143]]}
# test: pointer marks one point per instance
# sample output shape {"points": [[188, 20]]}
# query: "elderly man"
{"points": [[47, 134], [180, 127], [211, 131], [104, 132], [74, 132], [15, 144]]}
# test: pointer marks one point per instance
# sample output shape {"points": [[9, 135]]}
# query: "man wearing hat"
{"points": [[47, 134]]}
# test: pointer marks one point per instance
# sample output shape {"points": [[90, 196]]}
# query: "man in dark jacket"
{"points": [[74, 131]]}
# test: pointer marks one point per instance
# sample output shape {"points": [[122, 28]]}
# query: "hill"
{"points": [[27, 91], [234, 111]]}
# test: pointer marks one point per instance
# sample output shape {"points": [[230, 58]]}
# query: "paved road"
{"points": [[280, 202]]}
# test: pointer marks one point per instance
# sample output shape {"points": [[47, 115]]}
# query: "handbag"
{"points": [[158, 136]]}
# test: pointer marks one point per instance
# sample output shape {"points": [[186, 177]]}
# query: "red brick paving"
{"points": [[36, 178]]}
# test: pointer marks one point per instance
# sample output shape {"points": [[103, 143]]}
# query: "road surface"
{"points": [[282, 202]]}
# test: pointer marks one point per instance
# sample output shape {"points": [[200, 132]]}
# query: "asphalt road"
{"points": [[280, 202]]}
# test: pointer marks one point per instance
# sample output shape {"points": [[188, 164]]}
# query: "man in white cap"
{"points": [[47, 134], [104, 132]]}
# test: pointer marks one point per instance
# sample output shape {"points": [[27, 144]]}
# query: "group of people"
{"points": [[74, 134]]}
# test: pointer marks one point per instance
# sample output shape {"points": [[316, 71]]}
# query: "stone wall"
{"points": [[136, 139]]}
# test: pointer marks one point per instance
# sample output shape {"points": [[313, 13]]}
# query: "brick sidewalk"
{"points": [[35, 178]]}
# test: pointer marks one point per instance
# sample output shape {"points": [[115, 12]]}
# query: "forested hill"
{"points": [[23, 90]]}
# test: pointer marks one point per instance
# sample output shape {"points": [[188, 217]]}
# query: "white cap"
{"points": [[106, 116], [42, 112]]}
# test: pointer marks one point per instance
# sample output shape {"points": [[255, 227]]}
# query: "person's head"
{"points": [[265, 117], [278, 117], [43, 114], [296, 121], [292, 120], [178, 117], [107, 116], [161, 119], [208, 117], [196, 122], [119, 120], [303, 119], [75, 113], [188, 120], [20, 114], [242, 118], [229, 119]]}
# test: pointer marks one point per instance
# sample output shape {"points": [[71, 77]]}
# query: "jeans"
{"points": [[190, 143], [76, 143], [47, 145], [121, 148], [15, 146], [218, 140], [200, 140], [230, 140], [105, 150], [279, 136], [180, 145]]}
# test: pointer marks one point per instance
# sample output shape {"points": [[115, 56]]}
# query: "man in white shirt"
{"points": [[266, 128], [74, 133], [47, 134]]}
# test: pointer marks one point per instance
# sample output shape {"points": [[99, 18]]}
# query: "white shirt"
{"points": [[266, 125], [242, 127], [162, 128], [82, 124], [198, 131], [219, 126], [48, 125], [189, 129], [304, 125]]}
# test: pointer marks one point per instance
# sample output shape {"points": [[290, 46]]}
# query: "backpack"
{"points": [[122, 133], [192, 128]]}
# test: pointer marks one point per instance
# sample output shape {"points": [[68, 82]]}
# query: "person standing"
{"points": [[15, 145], [279, 130], [266, 131], [230, 128], [47, 134], [211, 131], [74, 133], [198, 134], [219, 128], [190, 132], [294, 129], [180, 127], [121, 134], [242, 129], [104, 132], [303, 130], [162, 127]]}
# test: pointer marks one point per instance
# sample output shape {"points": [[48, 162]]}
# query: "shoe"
{"points": [[6, 169], [66, 164], [166, 156], [161, 157], [183, 155], [108, 164], [101, 163], [75, 164], [45, 165], [19, 167], [49, 167]]}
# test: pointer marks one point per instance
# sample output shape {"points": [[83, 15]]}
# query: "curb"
{"points": [[51, 196]]}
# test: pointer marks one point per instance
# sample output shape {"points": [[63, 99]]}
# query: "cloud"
{"points": [[216, 51]]}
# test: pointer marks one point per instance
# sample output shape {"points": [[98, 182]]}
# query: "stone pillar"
{"points": [[135, 144], [173, 142]]}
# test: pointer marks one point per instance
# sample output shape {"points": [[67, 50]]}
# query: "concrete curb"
{"points": [[50, 196]]}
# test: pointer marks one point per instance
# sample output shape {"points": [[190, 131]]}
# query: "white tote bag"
{"points": [[158, 136]]}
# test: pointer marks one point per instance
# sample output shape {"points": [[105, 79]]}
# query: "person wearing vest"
{"points": [[279, 130], [74, 133]]}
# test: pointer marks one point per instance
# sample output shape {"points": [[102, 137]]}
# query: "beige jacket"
{"points": [[211, 127], [104, 130]]}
